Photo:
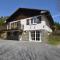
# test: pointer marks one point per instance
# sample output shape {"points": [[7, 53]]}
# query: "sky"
{"points": [[7, 7]]}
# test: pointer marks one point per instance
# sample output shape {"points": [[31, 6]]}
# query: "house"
{"points": [[29, 25]]}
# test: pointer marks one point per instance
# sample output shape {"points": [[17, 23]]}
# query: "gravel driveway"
{"points": [[17, 50]]}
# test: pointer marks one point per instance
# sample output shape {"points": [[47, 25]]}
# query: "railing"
{"points": [[18, 27]]}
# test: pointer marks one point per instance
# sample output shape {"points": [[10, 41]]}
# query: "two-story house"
{"points": [[29, 25]]}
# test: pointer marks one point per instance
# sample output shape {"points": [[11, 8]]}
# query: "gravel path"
{"points": [[17, 50]]}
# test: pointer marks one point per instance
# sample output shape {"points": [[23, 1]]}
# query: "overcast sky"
{"points": [[7, 7]]}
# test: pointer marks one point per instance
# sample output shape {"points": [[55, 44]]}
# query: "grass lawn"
{"points": [[54, 39]]}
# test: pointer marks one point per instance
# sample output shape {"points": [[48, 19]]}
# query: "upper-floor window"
{"points": [[27, 21], [39, 19], [34, 20]]}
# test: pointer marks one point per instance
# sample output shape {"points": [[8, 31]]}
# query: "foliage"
{"points": [[2, 20], [57, 25]]}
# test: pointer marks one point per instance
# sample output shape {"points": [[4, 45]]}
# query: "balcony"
{"points": [[15, 27]]}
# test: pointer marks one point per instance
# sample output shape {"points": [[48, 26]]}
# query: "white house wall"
{"points": [[43, 25]]}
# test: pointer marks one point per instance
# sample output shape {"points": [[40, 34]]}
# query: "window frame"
{"points": [[37, 35], [27, 22], [34, 20], [39, 18]]}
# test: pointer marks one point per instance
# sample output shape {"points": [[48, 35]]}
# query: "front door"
{"points": [[35, 35]]}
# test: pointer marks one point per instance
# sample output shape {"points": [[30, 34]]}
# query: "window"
{"points": [[39, 19], [27, 21], [38, 35], [34, 20], [35, 35], [31, 21]]}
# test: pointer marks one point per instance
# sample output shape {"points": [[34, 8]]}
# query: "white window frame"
{"points": [[27, 22], [30, 38], [33, 22]]}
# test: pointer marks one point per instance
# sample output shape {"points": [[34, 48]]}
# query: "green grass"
{"points": [[54, 39]]}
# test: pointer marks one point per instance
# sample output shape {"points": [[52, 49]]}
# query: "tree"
{"points": [[57, 26], [3, 20]]}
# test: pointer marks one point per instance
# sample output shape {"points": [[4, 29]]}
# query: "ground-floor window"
{"points": [[35, 35]]}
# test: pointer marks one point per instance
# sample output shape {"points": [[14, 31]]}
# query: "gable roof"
{"points": [[29, 13], [26, 11]]}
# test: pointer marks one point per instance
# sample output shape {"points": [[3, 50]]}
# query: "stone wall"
{"points": [[44, 35], [25, 36], [3, 35]]}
